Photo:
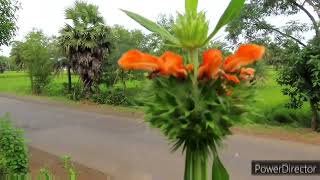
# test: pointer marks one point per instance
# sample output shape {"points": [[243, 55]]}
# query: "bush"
{"points": [[282, 116], [13, 150], [299, 77], [77, 93], [112, 96]]}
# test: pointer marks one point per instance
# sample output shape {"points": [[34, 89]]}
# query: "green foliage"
{"points": [[8, 27], [36, 57], [253, 24], [77, 92], [219, 171], [4, 62], [113, 96], [191, 29], [44, 174], [16, 55], [13, 151], [196, 121], [153, 27], [68, 166], [123, 41], [300, 76], [282, 116]]}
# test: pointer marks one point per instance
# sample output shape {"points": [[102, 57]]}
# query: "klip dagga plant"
{"points": [[191, 103]]}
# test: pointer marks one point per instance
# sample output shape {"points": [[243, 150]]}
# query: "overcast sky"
{"points": [[48, 15]]}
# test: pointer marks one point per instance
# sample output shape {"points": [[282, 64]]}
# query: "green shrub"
{"points": [[13, 150], [77, 93], [288, 116], [112, 96]]}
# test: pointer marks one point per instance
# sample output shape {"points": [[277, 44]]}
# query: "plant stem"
{"points": [[197, 171], [188, 165], [194, 59], [204, 167]]}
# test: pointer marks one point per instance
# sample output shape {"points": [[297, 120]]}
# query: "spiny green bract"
{"points": [[191, 29], [195, 121]]}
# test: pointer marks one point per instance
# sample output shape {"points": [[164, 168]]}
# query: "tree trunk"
{"points": [[31, 81], [69, 79], [315, 117]]}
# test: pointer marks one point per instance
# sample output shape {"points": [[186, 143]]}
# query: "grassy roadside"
{"points": [[286, 133]]}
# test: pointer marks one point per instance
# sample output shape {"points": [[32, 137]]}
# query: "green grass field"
{"points": [[15, 82], [271, 104], [19, 83], [269, 99]]}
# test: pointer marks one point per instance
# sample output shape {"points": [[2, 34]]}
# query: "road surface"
{"points": [[127, 149]]}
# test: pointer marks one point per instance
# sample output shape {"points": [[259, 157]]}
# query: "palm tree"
{"points": [[85, 42]]}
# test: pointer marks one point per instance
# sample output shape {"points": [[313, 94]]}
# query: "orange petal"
{"points": [[232, 78], [246, 54], [230, 63], [212, 60], [246, 73], [172, 64], [250, 52], [136, 60]]}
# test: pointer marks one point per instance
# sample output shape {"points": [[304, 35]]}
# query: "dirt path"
{"points": [[40, 159]]}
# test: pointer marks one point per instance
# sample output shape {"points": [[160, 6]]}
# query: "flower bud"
{"points": [[191, 29]]}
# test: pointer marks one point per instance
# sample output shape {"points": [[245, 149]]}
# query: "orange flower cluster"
{"points": [[169, 64], [214, 66]]}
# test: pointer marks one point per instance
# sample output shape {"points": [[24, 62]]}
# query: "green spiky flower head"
{"points": [[191, 29]]}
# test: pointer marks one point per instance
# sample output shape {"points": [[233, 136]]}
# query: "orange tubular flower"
{"points": [[172, 64], [212, 60], [232, 78], [136, 60], [245, 55], [169, 64]]}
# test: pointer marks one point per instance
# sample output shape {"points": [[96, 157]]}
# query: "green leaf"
{"points": [[232, 11], [153, 27], [219, 172], [191, 6]]}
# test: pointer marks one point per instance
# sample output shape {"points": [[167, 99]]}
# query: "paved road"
{"points": [[128, 150]]}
